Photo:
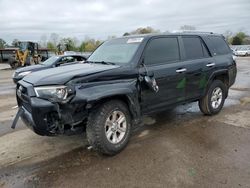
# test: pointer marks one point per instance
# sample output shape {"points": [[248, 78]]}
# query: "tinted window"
{"points": [[220, 45], [80, 58], [162, 50], [193, 47], [67, 59]]}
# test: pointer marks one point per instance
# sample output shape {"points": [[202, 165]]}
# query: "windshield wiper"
{"points": [[101, 62]]}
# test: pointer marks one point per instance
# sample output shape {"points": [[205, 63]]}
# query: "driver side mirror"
{"points": [[151, 83]]}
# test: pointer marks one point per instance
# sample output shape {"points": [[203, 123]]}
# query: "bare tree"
{"points": [[228, 36], [15, 43], [2, 43], [54, 39], [142, 30]]}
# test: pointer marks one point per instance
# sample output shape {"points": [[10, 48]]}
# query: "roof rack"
{"points": [[190, 31]]}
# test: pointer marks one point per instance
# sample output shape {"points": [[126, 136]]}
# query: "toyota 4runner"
{"points": [[124, 79]]}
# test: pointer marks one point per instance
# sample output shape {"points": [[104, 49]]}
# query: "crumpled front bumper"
{"points": [[36, 116], [45, 117], [29, 122]]}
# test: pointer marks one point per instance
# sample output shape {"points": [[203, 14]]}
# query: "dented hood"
{"points": [[61, 75]]}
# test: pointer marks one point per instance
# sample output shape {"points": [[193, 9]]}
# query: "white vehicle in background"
{"points": [[242, 51]]}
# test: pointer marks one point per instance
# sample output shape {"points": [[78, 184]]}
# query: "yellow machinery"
{"points": [[26, 54]]}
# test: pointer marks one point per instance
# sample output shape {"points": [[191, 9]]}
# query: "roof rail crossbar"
{"points": [[190, 31]]}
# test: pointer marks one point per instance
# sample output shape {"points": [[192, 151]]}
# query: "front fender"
{"points": [[92, 93]]}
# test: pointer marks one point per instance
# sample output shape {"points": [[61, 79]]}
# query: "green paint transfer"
{"points": [[203, 81], [181, 84]]}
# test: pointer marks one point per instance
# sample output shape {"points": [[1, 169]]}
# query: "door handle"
{"points": [[181, 70], [210, 64]]}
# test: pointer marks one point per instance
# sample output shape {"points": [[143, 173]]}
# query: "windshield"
{"points": [[116, 50], [50, 61]]}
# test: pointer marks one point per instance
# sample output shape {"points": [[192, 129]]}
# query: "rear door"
{"points": [[221, 52], [162, 58], [197, 61]]}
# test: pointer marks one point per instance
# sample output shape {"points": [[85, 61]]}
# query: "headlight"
{"points": [[24, 73], [55, 93]]}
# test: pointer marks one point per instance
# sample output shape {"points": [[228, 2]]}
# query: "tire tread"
{"points": [[94, 123]]}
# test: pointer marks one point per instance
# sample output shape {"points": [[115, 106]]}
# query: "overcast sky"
{"points": [[30, 19]]}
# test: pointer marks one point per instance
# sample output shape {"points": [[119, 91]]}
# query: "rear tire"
{"points": [[108, 127], [214, 98]]}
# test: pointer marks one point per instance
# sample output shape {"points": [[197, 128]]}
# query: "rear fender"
{"points": [[213, 76]]}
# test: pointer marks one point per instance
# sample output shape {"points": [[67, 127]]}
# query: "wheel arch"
{"points": [[130, 101], [221, 75]]}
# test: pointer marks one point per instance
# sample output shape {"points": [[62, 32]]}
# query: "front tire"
{"points": [[108, 127], [214, 98]]}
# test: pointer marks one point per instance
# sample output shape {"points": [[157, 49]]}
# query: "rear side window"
{"points": [[220, 45], [162, 50], [193, 47]]}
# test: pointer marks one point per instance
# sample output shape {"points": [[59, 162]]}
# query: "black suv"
{"points": [[124, 79]]}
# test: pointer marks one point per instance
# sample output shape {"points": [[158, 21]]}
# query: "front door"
{"points": [[161, 60]]}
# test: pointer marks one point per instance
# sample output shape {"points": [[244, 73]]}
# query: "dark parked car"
{"points": [[54, 61], [124, 79]]}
